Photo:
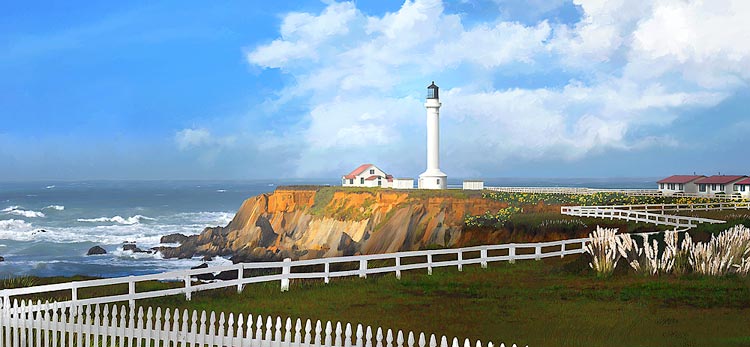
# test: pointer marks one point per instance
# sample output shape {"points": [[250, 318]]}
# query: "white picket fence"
{"points": [[288, 270], [710, 206], [45, 324]]}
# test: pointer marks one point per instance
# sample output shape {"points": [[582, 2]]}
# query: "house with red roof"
{"points": [[679, 184], [742, 187], [718, 184], [367, 175]]}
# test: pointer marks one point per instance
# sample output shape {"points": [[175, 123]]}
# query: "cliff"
{"points": [[330, 221]]}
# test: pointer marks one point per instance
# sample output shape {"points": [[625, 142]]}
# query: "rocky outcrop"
{"points": [[96, 250], [173, 238], [328, 222]]}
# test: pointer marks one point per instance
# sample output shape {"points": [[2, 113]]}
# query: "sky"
{"points": [[310, 89]]}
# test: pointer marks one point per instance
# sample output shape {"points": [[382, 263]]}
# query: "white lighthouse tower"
{"points": [[433, 178]]}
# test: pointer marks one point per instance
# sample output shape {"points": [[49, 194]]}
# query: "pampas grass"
{"points": [[726, 253]]}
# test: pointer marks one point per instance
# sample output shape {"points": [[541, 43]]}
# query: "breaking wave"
{"points": [[117, 219], [55, 207], [18, 211], [16, 229]]}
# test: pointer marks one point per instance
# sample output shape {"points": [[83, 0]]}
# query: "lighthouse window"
{"points": [[438, 181]]}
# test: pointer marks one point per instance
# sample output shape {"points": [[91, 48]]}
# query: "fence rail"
{"points": [[589, 191], [612, 212], [710, 206], [284, 271], [45, 324]]}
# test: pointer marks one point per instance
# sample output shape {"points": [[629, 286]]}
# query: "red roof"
{"points": [[745, 181], [372, 177], [389, 178], [358, 171], [681, 179], [723, 179]]}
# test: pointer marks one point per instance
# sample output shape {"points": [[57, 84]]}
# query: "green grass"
{"points": [[554, 302], [546, 303]]}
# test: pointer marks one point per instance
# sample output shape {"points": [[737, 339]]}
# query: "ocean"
{"points": [[46, 228]]}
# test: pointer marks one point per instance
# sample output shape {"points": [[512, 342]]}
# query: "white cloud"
{"points": [[201, 138], [637, 66]]}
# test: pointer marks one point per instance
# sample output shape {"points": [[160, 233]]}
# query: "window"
{"points": [[742, 187], [713, 187], [343, 182], [671, 186], [372, 171], [681, 186], [351, 181], [361, 180], [702, 187], [438, 181], [721, 187], [661, 185], [379, 183], [736, 187]]}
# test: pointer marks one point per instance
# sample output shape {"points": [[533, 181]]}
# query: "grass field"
{"points": [[539, 303]]}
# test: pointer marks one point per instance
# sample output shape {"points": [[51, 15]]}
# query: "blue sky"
{"points": [[266, 89]]}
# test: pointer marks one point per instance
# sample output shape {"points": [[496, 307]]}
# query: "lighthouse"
{"points": [[433, 178]]}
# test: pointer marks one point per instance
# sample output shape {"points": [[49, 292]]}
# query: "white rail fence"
{"points": [[637, 216], [45, 324], [287, 270], [655, 213], [589, 191]]}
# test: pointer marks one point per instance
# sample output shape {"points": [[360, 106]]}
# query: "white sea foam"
{"points": [[50, 187], [55, 207], [16, 229], [221, 190], [117, 219], [18, 211]]}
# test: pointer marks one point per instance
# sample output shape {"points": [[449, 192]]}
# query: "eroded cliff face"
{"points": [[303, 224]]}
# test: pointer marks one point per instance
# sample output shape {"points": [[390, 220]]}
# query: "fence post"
{"points": [[429, 264], [398, 267], [286, 270], [74, 295], [460, 259], [512, 253], [363, 268], [188, 292], [538, 252], [131, 292], [483, 256], [328, 271], [240, 277], [562, 250]]}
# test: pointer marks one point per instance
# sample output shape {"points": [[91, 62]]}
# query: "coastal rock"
{"points": [[96, 250], [2, 258], [173, 238], [305, 223], [202, 277], [133, 247]]}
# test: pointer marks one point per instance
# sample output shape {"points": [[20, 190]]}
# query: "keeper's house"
{"points": [[743, 187], [367, 175], [679, 184], [726, 184]]}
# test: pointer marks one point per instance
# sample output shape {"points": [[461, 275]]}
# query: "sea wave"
{"points": [[55, 207], [18, 211], [16, 229], [117, 219]]}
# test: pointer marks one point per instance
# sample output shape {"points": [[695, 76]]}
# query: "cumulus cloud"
{"points": [[200, 137], [636, 67]]}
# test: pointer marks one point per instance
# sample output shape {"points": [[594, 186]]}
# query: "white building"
{"points": [[678, 184], [433, 178], [718, 184], [403, 183], [367, 175], [742, 187]]}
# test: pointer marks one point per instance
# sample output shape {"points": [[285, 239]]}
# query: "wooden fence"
{"points": [[287, 270], [45, 324]]}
